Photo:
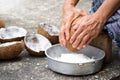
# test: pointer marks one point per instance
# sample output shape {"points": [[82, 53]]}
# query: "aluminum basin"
{"points": [[75, 68]]}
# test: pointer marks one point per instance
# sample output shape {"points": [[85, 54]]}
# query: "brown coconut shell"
{"points": [[17, 38], [68, 44], [11, 51], [52, 38], [2, 24], [34, 53], [34, 38]]}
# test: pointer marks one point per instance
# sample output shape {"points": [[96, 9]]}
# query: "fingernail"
{"points": [[73, 46], [67, 38], [64, 43], [84, 46], [61, 44]]}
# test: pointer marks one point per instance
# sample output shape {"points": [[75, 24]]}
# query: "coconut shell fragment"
{"points": [[49, 31], [2, 24], [12, 33], [11, 50], [36, 44]]}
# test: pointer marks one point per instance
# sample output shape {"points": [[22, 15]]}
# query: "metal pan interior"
{"points": [[89, 51]]}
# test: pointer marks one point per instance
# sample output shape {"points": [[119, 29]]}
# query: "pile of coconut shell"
{"points": [[46, 35], [11, 41]]}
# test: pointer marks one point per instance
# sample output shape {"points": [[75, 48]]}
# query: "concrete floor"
{"points": [[27, 14]]}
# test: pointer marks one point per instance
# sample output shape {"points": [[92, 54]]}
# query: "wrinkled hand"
{"points": [[86, 29], [69, 15]]}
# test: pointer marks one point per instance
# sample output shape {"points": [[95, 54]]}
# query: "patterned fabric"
{"points": [[113, 23]]}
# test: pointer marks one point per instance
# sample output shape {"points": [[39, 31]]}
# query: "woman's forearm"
{"points": [[108, 8], [69, 3]]}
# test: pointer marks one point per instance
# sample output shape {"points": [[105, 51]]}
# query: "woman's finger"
{"points": [[83, 41], [87, 43], [79, 39], [62, 39], [80, 27], [68, 25]]}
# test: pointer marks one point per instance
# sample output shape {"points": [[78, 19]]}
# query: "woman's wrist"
{"points": [[100, 16], [67, 7], [100, 19]]}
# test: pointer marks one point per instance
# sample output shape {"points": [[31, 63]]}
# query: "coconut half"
{"points": [[49, 31], [11, 50], [2, 24], [12, 33], [36, 44]]}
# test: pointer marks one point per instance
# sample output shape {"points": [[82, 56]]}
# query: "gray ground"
{"points": [[27, 14]]}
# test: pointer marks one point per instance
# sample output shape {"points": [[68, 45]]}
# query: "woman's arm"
{"points": [[69, 14], [108, 8], [70, 3], [90, 25]]}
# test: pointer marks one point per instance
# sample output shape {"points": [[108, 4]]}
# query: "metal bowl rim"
{"points": [[99, 59]]}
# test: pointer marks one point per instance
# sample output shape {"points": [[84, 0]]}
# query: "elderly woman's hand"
{"points": [[86, 29], [69, 14]]}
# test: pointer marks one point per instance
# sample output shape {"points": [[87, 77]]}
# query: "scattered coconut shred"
{"points": [[74, 58]]}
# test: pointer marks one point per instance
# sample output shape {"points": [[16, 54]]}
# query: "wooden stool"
{"points": [[104, 42]]}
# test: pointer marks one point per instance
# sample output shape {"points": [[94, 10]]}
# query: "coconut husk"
{"points": [[52, 38], [2, 24], [11, 51], [68, 44]]}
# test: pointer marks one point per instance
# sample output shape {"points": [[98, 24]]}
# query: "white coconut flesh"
{"points": [[37, 42], [52, 30], [8, 44], [74, 58], [12, 32]]}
